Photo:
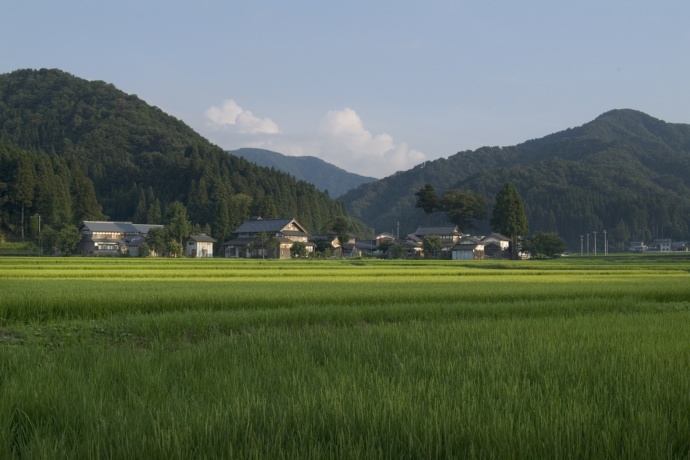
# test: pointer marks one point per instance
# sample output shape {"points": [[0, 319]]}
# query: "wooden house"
{"points": [[112, 238], [449, 234], [496, 246], [266, 238]]}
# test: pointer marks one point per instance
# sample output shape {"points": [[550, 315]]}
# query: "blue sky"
{"points": [[371, 86]]}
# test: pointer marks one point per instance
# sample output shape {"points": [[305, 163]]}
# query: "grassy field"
{"points": [[131, 358]]}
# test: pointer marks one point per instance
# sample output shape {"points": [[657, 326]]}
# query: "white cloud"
{"points": [[231, 114], [340, 138], [351, 146]]}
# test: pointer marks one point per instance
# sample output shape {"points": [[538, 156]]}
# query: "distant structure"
{"points": [[112, 238]]}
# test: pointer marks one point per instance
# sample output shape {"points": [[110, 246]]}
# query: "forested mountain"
{"points": [[624, 172], [325, 176], [72, 149]]}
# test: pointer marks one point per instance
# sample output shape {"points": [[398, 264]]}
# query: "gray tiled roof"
{"points": [[265, 225], [117, 227], [202, 238], [440, 230]]}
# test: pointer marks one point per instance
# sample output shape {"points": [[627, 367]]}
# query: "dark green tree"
{"points": [[341, 226], [509, 217], [463, 207], [24, 184], [86, 205], [298, 250], [428, 199], [432, 244], [68, 239], [140, 214], [545, 245], [177, 225], [153, 215]]}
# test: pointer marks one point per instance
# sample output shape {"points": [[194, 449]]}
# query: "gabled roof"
{"points": [[116, 227], [267, 226], [201, 238], [495, 236], [468, 242]]}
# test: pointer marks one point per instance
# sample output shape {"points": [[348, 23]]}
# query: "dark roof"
{"points": [[440, 230], [202, 238], [265, 225], [467, 243], [496, 236], [116, 227]]}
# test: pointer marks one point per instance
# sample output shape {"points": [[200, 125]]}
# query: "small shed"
{"points": [[200, 245], [468, 249]]}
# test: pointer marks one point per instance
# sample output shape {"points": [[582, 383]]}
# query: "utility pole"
{"points": [[582, 237], [588, 244], [595, 243], [40, 240], [606, 245]]}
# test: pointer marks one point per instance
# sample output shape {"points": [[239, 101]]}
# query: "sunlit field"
{"points": [[146, 358]]}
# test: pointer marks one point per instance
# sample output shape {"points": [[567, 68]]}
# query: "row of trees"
{"points": [[508, 217]]}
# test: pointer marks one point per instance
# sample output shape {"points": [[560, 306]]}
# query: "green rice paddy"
{"points": [[132, 358]]}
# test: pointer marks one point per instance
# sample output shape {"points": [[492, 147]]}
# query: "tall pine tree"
{"points": [[509, 217]]}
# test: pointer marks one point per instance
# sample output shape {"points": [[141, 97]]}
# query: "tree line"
{"points": [[509, 218]]}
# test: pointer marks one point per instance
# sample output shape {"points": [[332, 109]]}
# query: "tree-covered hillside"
{"points": [[325, 176], [624, 172], [72, 149]]}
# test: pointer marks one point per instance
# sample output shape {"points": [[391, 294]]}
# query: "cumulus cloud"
{"points": [[340, 138], [351, 146], [231, 114]]}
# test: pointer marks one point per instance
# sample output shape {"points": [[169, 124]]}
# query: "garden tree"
{"points": [[177, 225], [341, 226], [323, 247], [545, 244], [263, 242], [398, 251], [509, 217], [157, 241], [67, 240], [432, 244], [428, 199], [298, 250], [175, 249], [463, 207]]}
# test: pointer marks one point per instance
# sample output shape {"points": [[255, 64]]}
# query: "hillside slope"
{"points": [[624, 171], [323, 175], [95, 140]]}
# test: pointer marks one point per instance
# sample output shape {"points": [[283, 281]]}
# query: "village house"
{"points": [[266, 238], [468, 248], [112, 238], [496, 246], [200, 246], [449, 234]]}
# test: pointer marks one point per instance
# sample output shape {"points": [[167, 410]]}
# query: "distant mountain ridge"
{"points": [[325, 176], [625, 172]]}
